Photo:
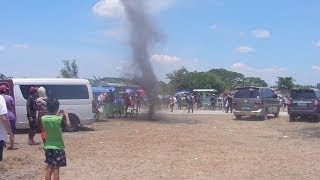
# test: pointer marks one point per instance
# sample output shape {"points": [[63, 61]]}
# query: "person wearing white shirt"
{"points": [[4, 127]]}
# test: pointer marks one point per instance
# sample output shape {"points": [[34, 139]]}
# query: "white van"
{"points": [[74, 95]]}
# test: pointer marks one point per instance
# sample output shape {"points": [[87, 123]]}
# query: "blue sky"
{"points": [[264, 38]]}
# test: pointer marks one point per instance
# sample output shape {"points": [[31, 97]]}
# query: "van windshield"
{"points": [[60, 91], [303, 94], [247, 93]]}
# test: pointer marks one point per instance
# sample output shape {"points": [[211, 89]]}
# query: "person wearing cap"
{"points": [[4, 127], [4, 91], [32, 115]]}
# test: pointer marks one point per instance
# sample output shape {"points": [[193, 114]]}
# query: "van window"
{"points": [[303, 94], [247, 93], [60, 91], [267, 93]]}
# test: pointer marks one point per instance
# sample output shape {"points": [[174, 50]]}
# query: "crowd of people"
{"points": [[193, 101], [125, 100], [44, 116]]}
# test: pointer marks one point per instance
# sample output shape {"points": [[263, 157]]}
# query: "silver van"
{"points": [[255, 102]]}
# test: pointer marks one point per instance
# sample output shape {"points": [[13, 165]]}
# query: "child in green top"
{"points": [[54, 146]]}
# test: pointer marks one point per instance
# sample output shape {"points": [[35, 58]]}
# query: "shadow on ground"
{"points": [[256, 119], [313, 132], [163, 119], [306, 119]]}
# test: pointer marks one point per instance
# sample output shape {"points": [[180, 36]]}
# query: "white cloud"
{"points": [[21, 46], [315, 67], [162, 58], [244, 49], [108, 8], [114, 8], [2, 47], [269, 74], [213, 27], [316, 44], [261, 33]]}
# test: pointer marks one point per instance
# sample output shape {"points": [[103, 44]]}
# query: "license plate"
{"points": [[302, 104], [245, 108]]}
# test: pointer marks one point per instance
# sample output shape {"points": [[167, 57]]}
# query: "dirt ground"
{"points": [[185, 146]]}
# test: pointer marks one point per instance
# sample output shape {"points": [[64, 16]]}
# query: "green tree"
{"points": [[69, 69], [285, 82], [2, 76], [231, 79], [177, 79], [182, 79], [164, 88], [254, 81]]}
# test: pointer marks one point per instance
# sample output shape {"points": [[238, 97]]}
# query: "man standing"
{"points": [[4, 127], [229, 103], [32, 115], [213, 102], [189, 101], [178, 98]]}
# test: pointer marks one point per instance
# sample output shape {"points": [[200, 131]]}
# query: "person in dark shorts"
{"points": [[32, 115], [54, 145]]}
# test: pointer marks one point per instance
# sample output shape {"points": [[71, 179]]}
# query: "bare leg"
{"points": [[56, 173], [49, 170]]}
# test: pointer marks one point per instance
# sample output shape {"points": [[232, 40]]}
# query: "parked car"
{"points": [[256, 102], [75, 96], [304, 103]]}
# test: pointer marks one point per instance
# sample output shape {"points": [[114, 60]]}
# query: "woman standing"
{"points": [[42, 109], [4, 91]]}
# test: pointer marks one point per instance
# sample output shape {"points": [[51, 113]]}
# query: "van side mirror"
{"points": [[275, 96]]}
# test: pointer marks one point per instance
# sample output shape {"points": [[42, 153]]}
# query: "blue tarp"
{"points": [[128, 90], [182, 92], [97, 90]]}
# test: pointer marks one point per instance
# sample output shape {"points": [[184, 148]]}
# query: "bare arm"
{"points": [[66, 115], [6, 125], [67, 119]]}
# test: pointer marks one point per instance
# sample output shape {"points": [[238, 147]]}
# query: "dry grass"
{"points": [[179, 147]]}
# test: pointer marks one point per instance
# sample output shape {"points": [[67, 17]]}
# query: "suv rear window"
{"points": [[303, 94], [247, 93]]}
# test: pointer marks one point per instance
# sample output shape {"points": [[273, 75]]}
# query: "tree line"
{"points": [[220, 79]]}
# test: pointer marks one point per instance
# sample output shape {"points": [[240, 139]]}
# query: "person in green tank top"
{"points": [[54, 145]]}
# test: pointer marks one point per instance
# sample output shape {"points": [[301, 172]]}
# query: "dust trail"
{"points": [[143, 35]]}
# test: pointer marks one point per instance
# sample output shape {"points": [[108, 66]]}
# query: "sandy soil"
{"points": [[179, 147]]}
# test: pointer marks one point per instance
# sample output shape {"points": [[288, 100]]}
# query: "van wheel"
{"points": [[74, 121], [134, 113], [277, 113], [291, 118], [238, 116], [97, 116], [264, 115], [117, 114]]}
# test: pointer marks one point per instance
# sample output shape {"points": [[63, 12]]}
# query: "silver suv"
{"points": [[256, 102]]}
